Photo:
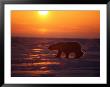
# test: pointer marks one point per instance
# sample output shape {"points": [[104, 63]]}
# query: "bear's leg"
{"points": [[59, 53], [67, 55], [78, 54]]}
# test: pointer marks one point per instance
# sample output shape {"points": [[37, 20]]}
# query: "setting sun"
{"points": [[43, 12]]}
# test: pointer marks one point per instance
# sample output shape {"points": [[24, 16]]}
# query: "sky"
{"points": [[56, 24]]}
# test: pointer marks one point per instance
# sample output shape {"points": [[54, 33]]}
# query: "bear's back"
{"points": [[71, 45], [66, 46]]}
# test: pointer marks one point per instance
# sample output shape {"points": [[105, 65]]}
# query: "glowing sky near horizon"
{"points": [[56, 24]]}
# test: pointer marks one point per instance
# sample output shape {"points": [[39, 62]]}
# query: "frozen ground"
{"points": [[30, 57]]}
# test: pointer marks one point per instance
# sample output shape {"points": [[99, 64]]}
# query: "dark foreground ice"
{"points": [[30, 57]]}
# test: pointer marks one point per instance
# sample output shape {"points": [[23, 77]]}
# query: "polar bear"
{"points": [[67, 48]]}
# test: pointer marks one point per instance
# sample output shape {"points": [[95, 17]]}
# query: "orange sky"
{"points": [[56, 24]]}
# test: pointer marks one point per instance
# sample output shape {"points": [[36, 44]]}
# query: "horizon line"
{"points": [[52, 37]]}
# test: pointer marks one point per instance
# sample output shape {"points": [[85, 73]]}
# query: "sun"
{"points": [[43, 12]]}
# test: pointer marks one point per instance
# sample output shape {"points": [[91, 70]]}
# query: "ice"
{"points": [[30, 57]]}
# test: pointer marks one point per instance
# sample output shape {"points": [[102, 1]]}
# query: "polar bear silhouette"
{"points": [[67, 48]]}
